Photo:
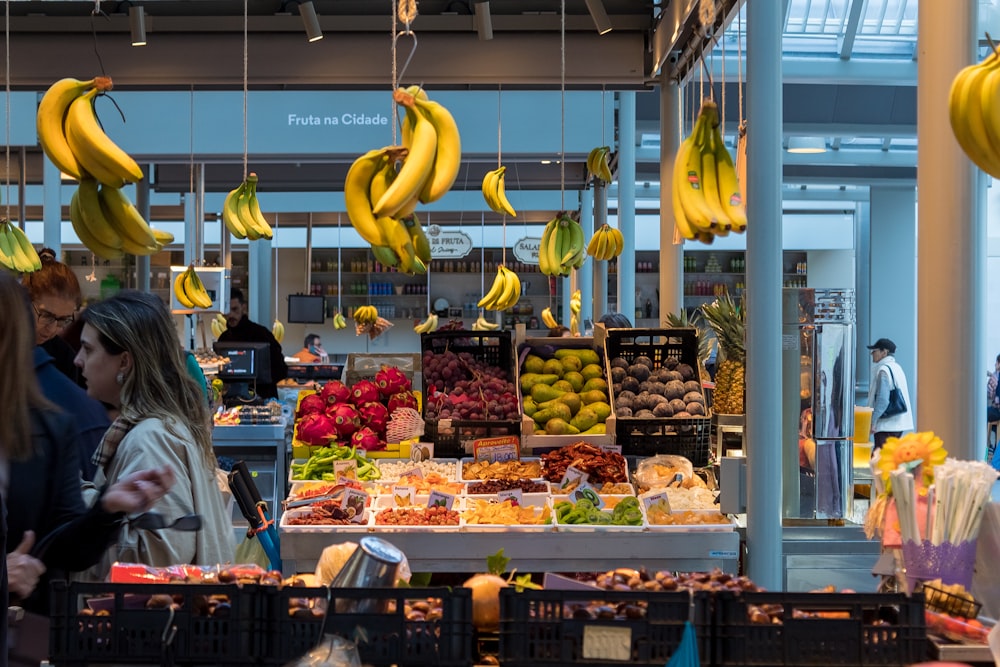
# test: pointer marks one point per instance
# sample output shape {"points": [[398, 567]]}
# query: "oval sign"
{"points": [[526, 249], [448, 244]]}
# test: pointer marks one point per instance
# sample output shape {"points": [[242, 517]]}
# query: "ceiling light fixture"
{"points": [[311, 22], [806, 145], [483, 21], [600, 16], [137, 22]]}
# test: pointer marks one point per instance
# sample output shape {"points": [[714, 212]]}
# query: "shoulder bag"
{"points": [[897, 405]]}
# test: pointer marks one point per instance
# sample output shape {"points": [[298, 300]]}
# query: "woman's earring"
{"points": [[120, 377]]}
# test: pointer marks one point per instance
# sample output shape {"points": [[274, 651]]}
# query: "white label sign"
{"points": [[603, 642], [448, 244], [526, 249]]}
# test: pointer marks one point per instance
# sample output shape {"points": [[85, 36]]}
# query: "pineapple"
{"points": [[727, 320], [704, 340]]}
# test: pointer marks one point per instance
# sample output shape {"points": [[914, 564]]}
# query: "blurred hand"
{"points": [[139, 491], [23, 570]]}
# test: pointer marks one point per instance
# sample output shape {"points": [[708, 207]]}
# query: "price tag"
{"points": [[499, 449], [414, 472], [441, 499], [605, 642], [403, 496], [587, 492], [611, 449], [513, 495], [354, 503], [572, 477], [421, 451], [655, 502], [347, 469]]}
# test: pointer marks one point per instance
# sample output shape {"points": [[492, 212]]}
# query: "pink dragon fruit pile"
{"points": [[357, 415]]}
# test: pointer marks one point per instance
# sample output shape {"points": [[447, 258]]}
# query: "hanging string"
{"points": [[93, 31], [503, 255], [392, 104], [722, 87], [6, 78], [340, 284], [191, 144], [562, 108], [245, 62], [739, 64]]}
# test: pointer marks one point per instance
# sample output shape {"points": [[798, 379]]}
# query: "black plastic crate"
{"points": [[391, 636], [451, 437], [853, 629], [549, 628], [686, 436], [200, 633]]}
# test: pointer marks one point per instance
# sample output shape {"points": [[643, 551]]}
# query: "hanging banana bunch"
{"points": [[483, 324], [190, 291], [598, 164], [562, 247], [241, 212], [575, 303], [278, 331], [548, 319], [218, 324], [338, 321], [504, 293], [368, 321], [606, 243], [428, 325], [495, 193]]}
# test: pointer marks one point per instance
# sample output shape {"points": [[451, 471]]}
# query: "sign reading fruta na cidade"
{"points": [[526, 249], [448, 244]]}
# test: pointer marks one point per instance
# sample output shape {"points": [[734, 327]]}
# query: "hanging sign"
{"points": [[526, 249], [448, 244]]}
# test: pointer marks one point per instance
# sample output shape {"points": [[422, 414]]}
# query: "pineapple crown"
{"points": [[727, 319]]}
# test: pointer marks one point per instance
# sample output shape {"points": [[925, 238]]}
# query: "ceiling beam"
{"points": [[828, 70], [851, 29]]}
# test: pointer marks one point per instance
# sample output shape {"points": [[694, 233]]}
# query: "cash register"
{"points": [[246, 365]]}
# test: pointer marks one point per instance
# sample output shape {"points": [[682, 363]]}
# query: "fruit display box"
{"points": [[199, 633], [546, 350], [364, 365], [788, 628], [595, 628], [466, 368], [661, 352]]}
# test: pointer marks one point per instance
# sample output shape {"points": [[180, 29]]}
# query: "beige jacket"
{"points": [[148, 445]]}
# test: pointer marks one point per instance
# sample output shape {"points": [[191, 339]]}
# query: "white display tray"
{"points": [[691, 527], [453, 463], [463, 478], [324, 527], [536, 500]]}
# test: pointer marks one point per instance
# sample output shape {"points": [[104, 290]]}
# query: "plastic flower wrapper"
{"points": [[923, 446]]}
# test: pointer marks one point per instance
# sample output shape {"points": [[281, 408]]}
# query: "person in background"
{"points": [[560, 332], [884, 373], [613, 320], [55, 298], [312, 350], [241, 330], [131, 358], [48, 527], [992, 399]]}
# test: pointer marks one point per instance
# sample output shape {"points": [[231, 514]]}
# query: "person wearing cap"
{"points": [[885, 373]]}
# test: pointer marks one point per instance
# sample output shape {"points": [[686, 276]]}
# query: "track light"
{"points": [[601, 20], [137, 22], [483, 21], [806, 145], [309, 19]]}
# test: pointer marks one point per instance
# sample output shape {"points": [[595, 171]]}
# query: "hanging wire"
{"points": [[191, 146], [6, 78], [562, 108], [245, 62], [503, 255], [739, 65], [722, 86], [93, 31], [340, 284], [404, 11]]}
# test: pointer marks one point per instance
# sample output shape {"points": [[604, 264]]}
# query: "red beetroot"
{"points": [[311, 404], [346, 419], [375, 416], [390, 380], [334, 392], [316, 429], [367, 440], [364, 391], [402, 399]]}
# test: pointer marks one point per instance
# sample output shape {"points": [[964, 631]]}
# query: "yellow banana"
{"points": [[163, 238], [86, 235], [26, 256], [231, 213], [278, 331], [357, 186], [339, 322], [482, 324], [511, 290], [681, 223], [7, 252], [741, 161], [619, 241], [179, 293], [214, 326], [197, 290], [496, 289], [575, 302], [421, 244], [398, 238], [51, 113], [574, 324], [710, 179], [381, 182], [254, 232], [495, 184], [489, 188], [574, 246], [95, 217], [728, 185], [548, 319], [688, 181], [428, 325], [416, 167], [253, 209], [385, 255], [96, 152], [595, 248], [136, 235], [448, 157], [543, 248]]}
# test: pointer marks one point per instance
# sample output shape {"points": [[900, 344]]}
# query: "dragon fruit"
{"points": [[334, 392], [311, 404], [367, 440], [402, 399], [364, 391], [346, 419], [391, 380], [375, 416], [316, 429]]}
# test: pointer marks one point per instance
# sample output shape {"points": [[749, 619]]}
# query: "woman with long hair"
{"points": [[131, 360], [48, 525]]}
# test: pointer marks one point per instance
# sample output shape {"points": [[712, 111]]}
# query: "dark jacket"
{"points": [[90, 419], [251, 332], [44, 495], [63, 354]]}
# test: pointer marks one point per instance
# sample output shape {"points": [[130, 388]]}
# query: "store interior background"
{"points": [[850, 77]]}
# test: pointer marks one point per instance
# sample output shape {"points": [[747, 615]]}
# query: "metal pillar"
{"points": [[51, 206], [261, 270], [601, 268], [626, 202], [142, 267], [950, 283], [585, 275], [763, 274], [671, 256]]}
